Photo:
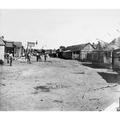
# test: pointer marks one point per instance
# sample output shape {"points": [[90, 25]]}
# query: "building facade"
{"points": [[2, 48], [79, 52]]}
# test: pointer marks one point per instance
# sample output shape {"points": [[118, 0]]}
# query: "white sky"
{"points": [[53, 28]]}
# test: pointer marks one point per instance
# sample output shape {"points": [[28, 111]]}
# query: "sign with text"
{"points": [[30, 44]]}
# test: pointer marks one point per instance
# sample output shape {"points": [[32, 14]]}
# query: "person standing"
{"points": [[11, 58], [7, 57], [28, 58], [45, 56], [37, 56]]}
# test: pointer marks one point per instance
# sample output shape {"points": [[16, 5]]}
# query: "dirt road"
{"points": [[56, 85]]}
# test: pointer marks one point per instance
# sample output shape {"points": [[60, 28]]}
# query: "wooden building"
{"points": [[15, 48], [116, 59], [2, 48], [79, 52], [9, 47], [18, 49], [67, 54]]}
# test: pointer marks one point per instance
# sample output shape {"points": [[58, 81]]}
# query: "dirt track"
{"points": [[56, 85]]}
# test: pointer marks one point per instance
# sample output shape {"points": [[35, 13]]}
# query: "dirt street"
{"points": [[56, 85]]}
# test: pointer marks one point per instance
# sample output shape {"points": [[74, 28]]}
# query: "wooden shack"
{"points": [[67, 54], [80, 52]]}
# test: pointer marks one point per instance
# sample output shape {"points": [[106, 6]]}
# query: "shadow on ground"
{"points": [[97, 66], [110, 77], [49, 61]]}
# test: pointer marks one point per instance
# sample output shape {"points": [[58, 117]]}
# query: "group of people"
{"points": [[38, 57], [9, 57]]}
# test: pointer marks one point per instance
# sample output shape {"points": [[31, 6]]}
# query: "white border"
{"points": [[59, 4], [59, 115]]}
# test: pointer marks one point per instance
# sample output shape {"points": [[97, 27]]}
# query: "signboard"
{"points": [[30, 44]]}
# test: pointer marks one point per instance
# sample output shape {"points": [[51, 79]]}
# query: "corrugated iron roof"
{"points": [[76, 47]]}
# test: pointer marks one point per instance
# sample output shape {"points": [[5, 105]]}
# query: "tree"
{"points": [[62, 48]]}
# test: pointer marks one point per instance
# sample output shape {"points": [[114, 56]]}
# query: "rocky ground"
{"points": [[63, 85]]}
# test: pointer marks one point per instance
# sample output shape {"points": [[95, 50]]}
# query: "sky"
{"points": [[52, 28]]}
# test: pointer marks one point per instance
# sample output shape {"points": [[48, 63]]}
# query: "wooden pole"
{"points": [[118, 109]]}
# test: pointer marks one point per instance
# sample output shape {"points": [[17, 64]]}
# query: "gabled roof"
{"points": [[77, 47], [94, 46], [1, 42]]}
